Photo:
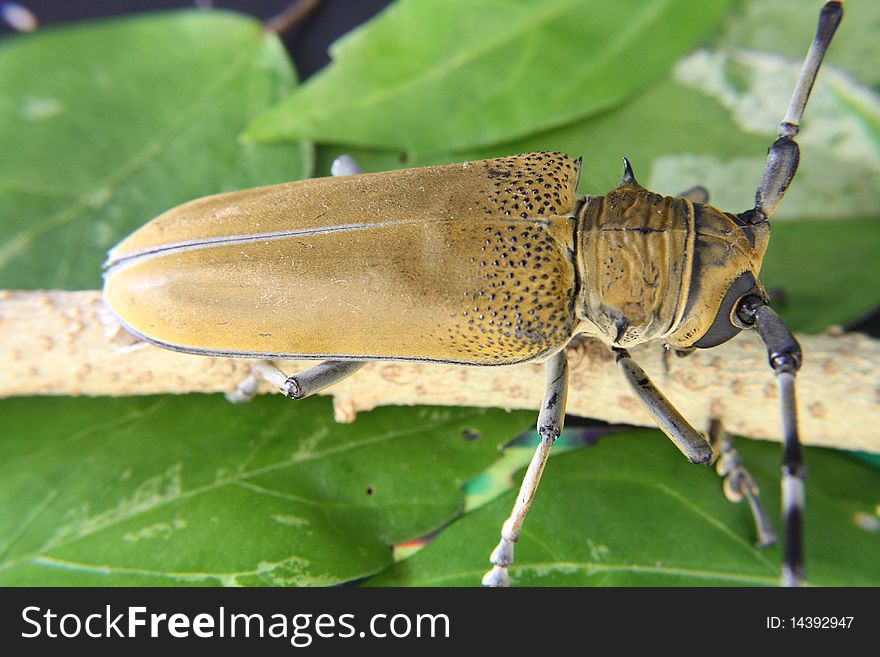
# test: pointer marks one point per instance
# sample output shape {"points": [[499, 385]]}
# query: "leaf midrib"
{"points": [[233, 479]]}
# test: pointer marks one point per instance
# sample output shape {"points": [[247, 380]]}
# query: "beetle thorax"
{"points": [[634, 258]]}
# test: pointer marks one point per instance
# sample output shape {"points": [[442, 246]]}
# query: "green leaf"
{"points": [[777, 24], [196, 491], [631, 512], [828, 272], [104, 125], [429, 76], [711, 122]]}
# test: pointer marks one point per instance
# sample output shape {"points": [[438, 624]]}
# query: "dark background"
{"points": [[307, 42]]}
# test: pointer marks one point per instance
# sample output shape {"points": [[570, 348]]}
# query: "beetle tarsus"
{"points": [[738, 482], [498, 577]]}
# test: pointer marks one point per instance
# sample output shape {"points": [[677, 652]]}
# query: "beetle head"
{"points": [[727, 255]]}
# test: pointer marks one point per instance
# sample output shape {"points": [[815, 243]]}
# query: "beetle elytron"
{"points": [[493, 262]]}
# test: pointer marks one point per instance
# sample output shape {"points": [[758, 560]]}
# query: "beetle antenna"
{"points": [[784, 154], [629, 177], [785, 357]]}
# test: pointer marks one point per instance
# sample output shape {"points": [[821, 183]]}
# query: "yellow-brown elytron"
{"points": [[491, 262], [468, 263]]}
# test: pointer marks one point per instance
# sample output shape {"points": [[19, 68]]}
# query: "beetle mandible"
{"points": [[491, 262]]}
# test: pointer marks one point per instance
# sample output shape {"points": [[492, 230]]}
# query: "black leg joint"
{"points": [[752, 217], [787, 361], [746, 309], [783, 350]]}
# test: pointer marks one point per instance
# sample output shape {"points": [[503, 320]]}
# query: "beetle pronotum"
{"points": [[491, 262]]}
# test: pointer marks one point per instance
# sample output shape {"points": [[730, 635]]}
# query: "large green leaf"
{"points": [[630, 511], [194, 490], [104, 125], [431, 76]]}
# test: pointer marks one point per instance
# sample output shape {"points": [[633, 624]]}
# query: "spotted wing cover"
{"points": [[466, 263]]}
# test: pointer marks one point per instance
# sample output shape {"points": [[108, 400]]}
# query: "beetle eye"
{"points": [[724, 328]]}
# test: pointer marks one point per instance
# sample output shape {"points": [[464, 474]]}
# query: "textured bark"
{"points": [[63, 343]]}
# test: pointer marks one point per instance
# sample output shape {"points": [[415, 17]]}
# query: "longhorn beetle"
{"points": [[492, 262]]}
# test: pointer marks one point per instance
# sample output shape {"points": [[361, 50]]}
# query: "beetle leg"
{"points": [[738, 482], [690, 441], [783, 156], [321, 376], [550, 421], [784, 354], [296, 386], [696, 194]]}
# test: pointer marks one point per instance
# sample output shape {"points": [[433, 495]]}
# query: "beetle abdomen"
{"points": [[464, 263]]}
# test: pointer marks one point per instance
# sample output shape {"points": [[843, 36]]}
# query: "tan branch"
{"points": [[54, 343]]}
